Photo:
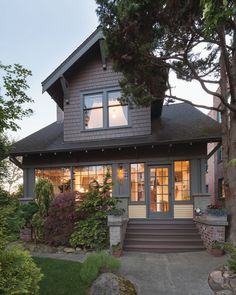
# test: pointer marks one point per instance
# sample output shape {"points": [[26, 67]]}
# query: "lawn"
{"points": [[61, 277]]}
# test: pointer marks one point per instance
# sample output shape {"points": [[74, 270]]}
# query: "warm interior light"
{"points": [[113, 114], [120, 173]]}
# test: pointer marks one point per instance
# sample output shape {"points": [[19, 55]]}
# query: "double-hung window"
{"points": [[103, 110]]}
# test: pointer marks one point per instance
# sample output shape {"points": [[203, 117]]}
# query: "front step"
{"points": [[162, 236]]}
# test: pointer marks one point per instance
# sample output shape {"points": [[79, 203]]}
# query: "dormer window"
{"points": [[117, 114], [103, 110], [93, 111]]}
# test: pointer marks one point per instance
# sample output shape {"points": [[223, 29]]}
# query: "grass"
{"points": [[61, 277]]}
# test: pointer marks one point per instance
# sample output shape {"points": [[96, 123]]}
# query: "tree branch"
{"points": [[193, 104]]}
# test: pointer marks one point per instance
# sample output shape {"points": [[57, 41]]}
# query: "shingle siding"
{"points": [[92, 77]]}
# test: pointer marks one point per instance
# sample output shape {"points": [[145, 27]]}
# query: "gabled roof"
{"points": [[179, 123], [72, 59]]}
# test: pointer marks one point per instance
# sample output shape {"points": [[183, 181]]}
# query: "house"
{"points": [[157, 155], [214, 176]]}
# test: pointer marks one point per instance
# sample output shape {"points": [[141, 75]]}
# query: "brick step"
{"points": [[163, 248]]}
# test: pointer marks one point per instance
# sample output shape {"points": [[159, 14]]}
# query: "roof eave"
{"points": [[77, 54]]}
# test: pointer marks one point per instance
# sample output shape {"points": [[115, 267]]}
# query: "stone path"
{"points": [[162, 274]]}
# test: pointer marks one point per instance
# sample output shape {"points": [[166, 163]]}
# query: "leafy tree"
{"points": [[146, 40], [13, 97]]}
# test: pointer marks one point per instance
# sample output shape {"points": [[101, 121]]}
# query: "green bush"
{"points": [[92, 231], [43, 198], [27, 211], [95, 264], [231, 250], [10, 221], [18, 273]]}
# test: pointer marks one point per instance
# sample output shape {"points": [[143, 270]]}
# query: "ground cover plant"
{"points": [[69, 277]]}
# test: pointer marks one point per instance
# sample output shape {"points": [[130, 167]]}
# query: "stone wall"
{"points": [[210, 233]]}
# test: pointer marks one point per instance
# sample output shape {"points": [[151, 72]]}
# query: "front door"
{"points": [[159, 204]]}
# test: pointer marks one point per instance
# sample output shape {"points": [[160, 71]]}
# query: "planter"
{"points": [[117, 253], [217, 252], [212, 217]]}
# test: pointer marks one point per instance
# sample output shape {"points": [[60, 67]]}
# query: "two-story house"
{"points": [[157, 155]]}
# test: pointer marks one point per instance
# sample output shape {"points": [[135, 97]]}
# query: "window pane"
{"points": [[137, 182], [113, 98], [182, 180], [59, 177], [92, 101], [118, 116], [93, 118], [84, 176]]}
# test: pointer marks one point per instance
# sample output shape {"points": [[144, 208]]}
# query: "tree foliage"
{"points": [[196, 40], [13, 96]]}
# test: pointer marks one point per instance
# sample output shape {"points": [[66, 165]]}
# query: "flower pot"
{"points": [[117, 253], [217, 252]]}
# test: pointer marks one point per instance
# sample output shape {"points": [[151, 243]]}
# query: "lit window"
{"points": [[182, 180], [221, 189], [103, 110], [93, 111], [137, 182], [117, 114], [84, 177], [59, 177]]}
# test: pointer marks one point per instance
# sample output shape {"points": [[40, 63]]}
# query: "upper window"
{"points": [[117, 114], [93, 111], [103, 110], [182, 180]]}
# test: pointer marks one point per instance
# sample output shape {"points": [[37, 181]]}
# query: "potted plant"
{"points": [[117, 250], [115, 214], [217, 248], [217, 212]]}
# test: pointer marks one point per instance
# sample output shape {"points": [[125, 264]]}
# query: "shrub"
{"points": [[10, 221], [59, 224], [43, 198], [92, 231], [27, 211], [18, 273], [97, 263], [231, 250]]}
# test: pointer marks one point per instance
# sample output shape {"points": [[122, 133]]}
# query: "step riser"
{"points": [[162, 250], [161, 227], [162, 236], [163, 243]]}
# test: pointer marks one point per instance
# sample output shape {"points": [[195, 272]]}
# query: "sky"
{"points": [[40, 35]]}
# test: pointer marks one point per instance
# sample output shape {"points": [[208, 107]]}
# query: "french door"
{"points": [[159, 192]]}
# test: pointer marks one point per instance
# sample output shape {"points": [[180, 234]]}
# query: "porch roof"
{"points": [[179, 123]]}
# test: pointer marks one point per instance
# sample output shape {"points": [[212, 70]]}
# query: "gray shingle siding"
{"points": [[92, 77]]}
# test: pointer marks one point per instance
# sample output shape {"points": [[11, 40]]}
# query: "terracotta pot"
{"points": [[117, 253], [217, 252]]}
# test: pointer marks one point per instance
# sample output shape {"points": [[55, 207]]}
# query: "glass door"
{"points": [[159, 192]]}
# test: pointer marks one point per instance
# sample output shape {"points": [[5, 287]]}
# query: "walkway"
{"points": [[163, 274]]}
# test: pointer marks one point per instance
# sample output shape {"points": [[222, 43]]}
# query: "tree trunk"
{"points": [[229, 144]]}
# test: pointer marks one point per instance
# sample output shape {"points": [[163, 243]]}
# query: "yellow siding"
{"points": [[183, 211], [137, 211]]}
